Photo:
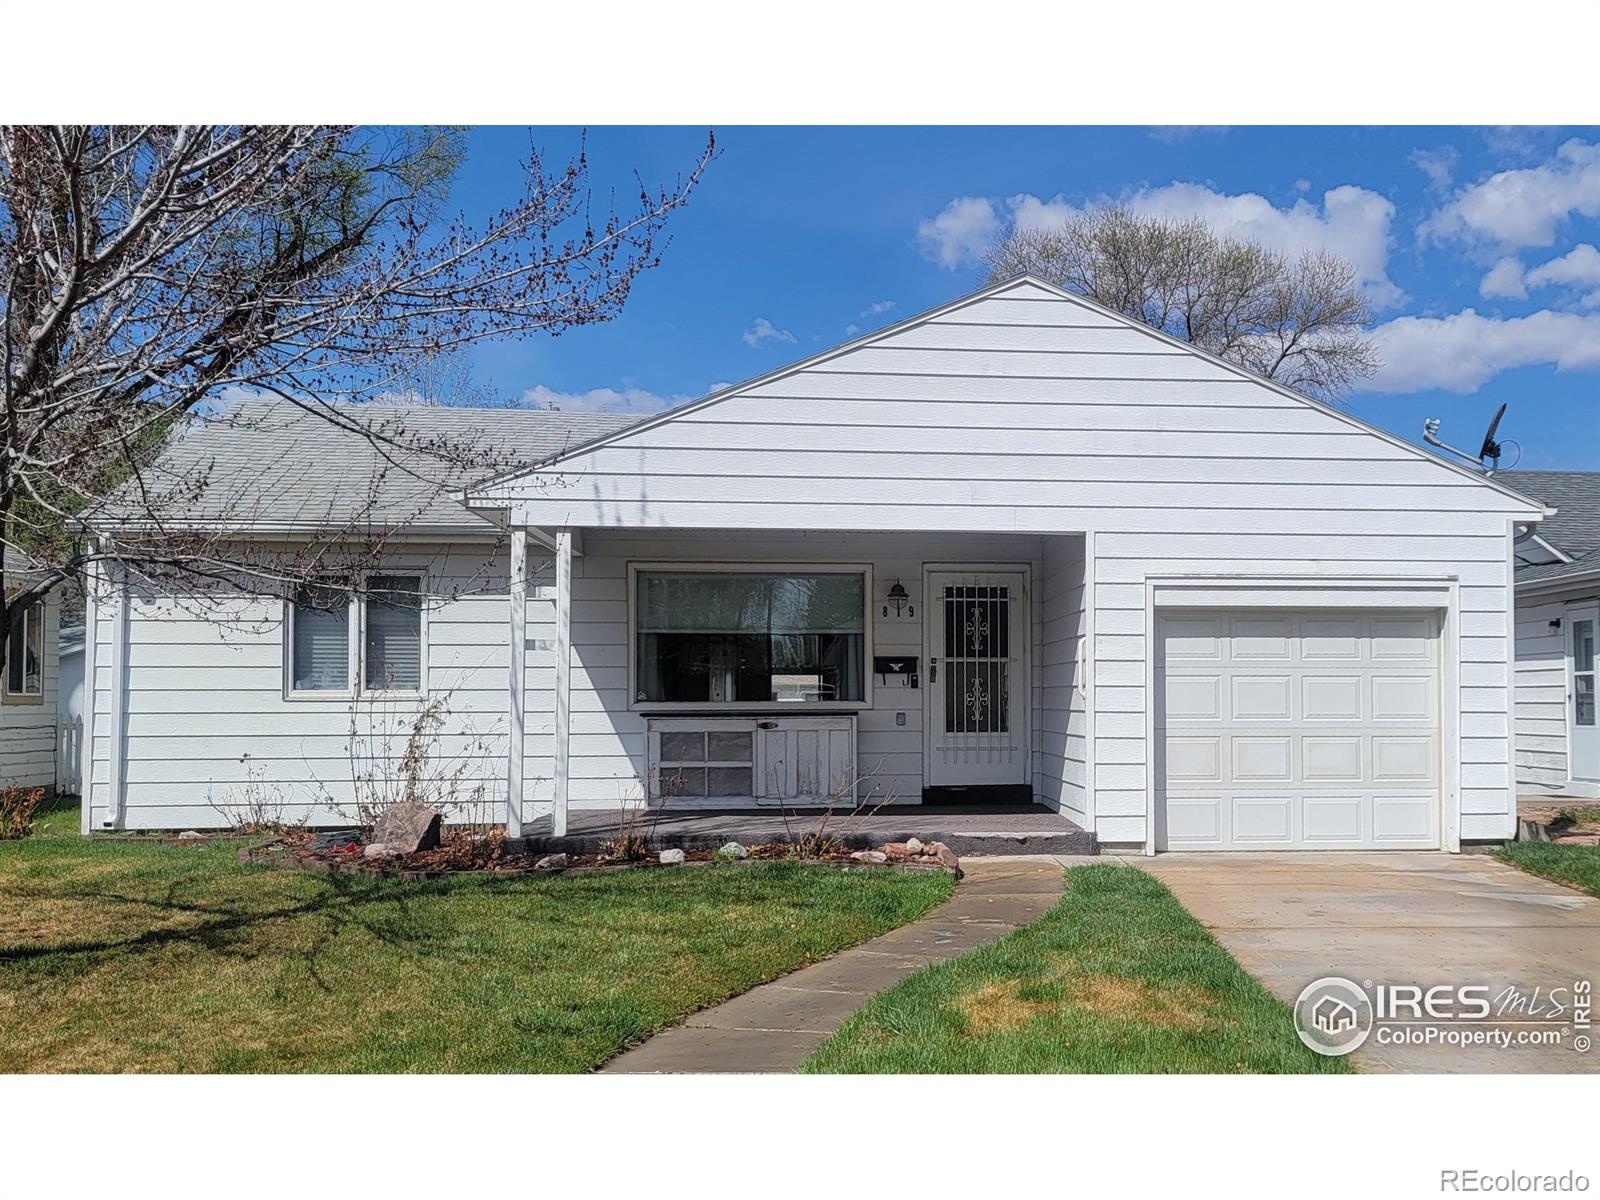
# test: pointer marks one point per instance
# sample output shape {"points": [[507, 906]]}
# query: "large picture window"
{"points": [[746, 637]]}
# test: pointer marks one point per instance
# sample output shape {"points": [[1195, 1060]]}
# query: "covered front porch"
{"points": [[723, 678]]}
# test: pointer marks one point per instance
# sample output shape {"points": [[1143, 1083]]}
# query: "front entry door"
{"points": [[1584, 723], [977, 652]]}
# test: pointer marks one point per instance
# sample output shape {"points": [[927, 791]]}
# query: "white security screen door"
{"points": [[1585, 626], [977, 679]]}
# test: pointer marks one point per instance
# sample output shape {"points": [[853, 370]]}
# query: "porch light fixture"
{"points": [[1556, 624], [899, 600]]}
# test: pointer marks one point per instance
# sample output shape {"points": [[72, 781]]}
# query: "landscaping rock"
{"points": [[377, 850], [914, 846], [870, 856], [672, 858], [551, 862], [407, 828], [946, 856], [191, 835], [732, 850], [895, 850]]}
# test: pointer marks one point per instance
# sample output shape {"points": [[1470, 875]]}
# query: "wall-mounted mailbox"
{"points": [[895, 670]]}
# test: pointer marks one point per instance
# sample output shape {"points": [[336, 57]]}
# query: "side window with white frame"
{"points": [[25, 654], [392, 642], [319, 639]]}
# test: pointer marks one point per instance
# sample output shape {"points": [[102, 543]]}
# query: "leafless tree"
{"points": [[146, 271], [1300, 321]]}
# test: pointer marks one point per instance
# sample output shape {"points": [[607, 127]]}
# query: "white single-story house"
{"points": [[1558, 626], [1016, 546], [28, 698]]}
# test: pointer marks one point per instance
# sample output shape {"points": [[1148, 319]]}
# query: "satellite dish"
{"points": [[1491, 448]]}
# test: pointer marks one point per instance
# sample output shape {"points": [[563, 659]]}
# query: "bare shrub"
{"points": [[17, 806], [401, 758]]}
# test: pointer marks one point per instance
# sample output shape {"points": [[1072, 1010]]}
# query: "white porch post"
{"points": [[518, 683], [558, 813]]}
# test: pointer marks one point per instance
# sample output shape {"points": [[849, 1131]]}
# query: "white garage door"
{"points": [[1297, 730]]}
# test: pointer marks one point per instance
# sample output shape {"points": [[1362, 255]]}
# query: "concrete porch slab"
{"points": [[988, 830]]}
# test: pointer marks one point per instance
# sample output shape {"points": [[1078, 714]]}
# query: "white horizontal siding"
{"points": [[1062, 781], [208, 734], [28, 726], [1543, 705]]}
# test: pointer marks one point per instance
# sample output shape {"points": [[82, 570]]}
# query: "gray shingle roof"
{"points": [[1575, 528], [272, 465]]}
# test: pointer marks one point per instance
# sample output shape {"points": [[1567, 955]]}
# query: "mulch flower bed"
{"points": [[462, 851]]}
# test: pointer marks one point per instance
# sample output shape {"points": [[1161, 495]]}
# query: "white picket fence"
{"points": [[69, 756]]}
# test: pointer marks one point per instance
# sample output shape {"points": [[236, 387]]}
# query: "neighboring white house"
{"points": [[28, 699], [1558, 627], [1019, 545]]}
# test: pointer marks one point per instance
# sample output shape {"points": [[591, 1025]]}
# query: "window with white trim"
{"points": [[25, 654], [392, 644], [749, 637], [327, 657], [319, 640]]}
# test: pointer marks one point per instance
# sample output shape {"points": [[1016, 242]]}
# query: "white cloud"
{"points": [[852, 329], [1579, 267], [1462, 352], [1351, 222], [1513, 209], [765, 331], [1505, 279], [1438, 165], [628, 400], [961, 233], [877, 308]]}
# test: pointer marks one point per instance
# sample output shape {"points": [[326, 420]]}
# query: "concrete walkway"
{"points": [[1424, 918], [778, 1025]]}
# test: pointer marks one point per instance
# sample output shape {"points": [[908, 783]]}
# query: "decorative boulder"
{"points": [[672, 858], [896, 849], [946, 856], [191, 835], [551, 862], [914, 846], [870, 856], [407, 828], [377, 850], [732, 850]]}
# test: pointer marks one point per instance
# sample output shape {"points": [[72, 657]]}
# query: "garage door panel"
{"points": [[1330, 759], [1263, 819], [1258, 760], [1192, 760], [1403, 819], [1315, 730], [1195, 821], [1404, 698], [1261, 698], [1331, 698], [1332, 819], [1193, 698]]}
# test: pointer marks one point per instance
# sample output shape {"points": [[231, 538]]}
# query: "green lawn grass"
{"points": [[1116, 978], [128, 956], [1576, 866]]}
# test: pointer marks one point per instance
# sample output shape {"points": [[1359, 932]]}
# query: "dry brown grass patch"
{"points": [[999, 1007]]}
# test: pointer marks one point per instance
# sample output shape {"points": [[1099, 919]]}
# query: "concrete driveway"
{"points": [[1423, 918]]}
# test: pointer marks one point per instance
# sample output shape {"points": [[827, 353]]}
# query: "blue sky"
{"points": [[1478, 248]]}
